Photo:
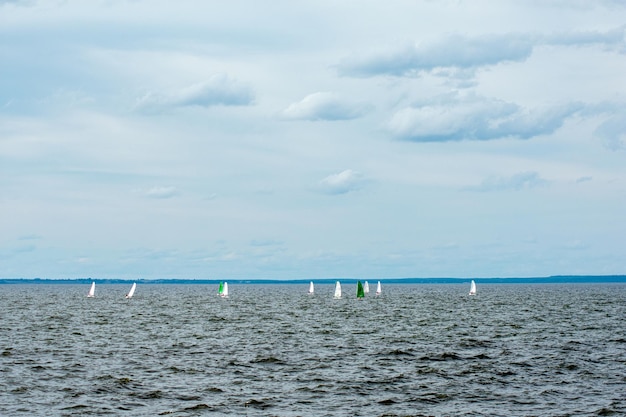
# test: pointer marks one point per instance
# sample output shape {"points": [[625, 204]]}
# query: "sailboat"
{"points": [[337, 290], [359, 290], [379, 289], [132, 291], [311, 288], [92, 290], [223, 291], [472, 288], [366, 288]]}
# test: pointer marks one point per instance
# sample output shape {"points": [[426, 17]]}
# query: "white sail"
{"points": [[132, 291], [379, 289], [311, 288], [366, 288], [472, 288], [92, 290], [224, 293], [337, 290]]}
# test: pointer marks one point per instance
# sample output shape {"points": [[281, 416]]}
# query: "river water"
{"points": [[273, 350]]}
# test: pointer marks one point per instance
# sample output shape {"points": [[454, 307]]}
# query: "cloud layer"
{"points": [[429, 138]]}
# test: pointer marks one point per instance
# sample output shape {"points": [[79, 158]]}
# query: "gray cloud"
{"points": [[455, 118], [324, 106]]}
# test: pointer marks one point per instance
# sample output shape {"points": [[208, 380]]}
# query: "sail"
{"points": [[224, 293], [132, 290], [359, 290], [379, 289], [92, 290], [472, 288], [311, 288], [220, 290], [337, 290], [366, 288]]}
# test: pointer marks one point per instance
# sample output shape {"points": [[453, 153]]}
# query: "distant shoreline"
{"points": [[556, 279]]}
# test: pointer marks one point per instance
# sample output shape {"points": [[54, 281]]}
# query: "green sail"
{"points": [[359, 290], [221, 289]]}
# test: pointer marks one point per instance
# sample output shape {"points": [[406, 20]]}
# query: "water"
{"points": [[272, 350]]}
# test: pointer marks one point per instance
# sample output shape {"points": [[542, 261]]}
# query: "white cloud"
{"points": [[471, 117], [453, 51], [612, 132], [324, 106], [614, 39], [162, 192], [457, 51], [515, 182], [218, 90], [342, 183]]}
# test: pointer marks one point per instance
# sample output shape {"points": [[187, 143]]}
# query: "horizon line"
{"points": [[407, 280]]}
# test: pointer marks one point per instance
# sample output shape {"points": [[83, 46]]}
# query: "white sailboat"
{"points": [[337, 290], [366, 288], [472, 288], [311, 288], [92, 290], [379, 289], [224, 293], [132, 290]]}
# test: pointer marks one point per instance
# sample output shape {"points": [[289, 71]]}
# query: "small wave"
{"points": [[398, 352], [446, 356], [606, 412], [75, 407], [268, 360], [124, 381], [150, 395], [188, 397], [473, 343], [388, 401], [432, 397], [481, 356], [257, 404], [197, 407]]}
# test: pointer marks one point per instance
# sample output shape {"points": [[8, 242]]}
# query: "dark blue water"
{"points": [[272, 350]]}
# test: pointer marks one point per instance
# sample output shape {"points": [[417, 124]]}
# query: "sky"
{"points": [[312, 139]]}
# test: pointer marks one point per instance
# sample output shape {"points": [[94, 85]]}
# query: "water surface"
{"points": [[273, 350]]}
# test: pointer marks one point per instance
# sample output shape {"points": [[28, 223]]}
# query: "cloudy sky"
{"points": [[312, 139]]}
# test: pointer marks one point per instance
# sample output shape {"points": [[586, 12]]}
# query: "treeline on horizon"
{"points": [[555, 279]]}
